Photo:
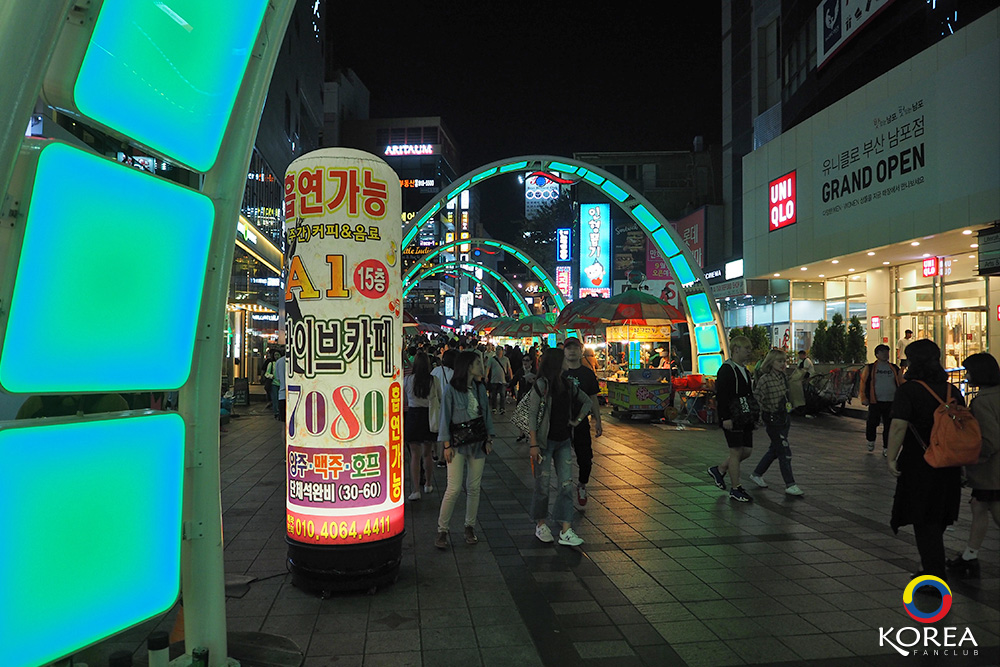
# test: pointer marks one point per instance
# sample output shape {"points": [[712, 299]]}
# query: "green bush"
{"points": [[855, 351], [836, 339], [820, 351], [759, 339]]}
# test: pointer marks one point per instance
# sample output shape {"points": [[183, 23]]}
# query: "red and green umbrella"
{"points": [[636, 307]]}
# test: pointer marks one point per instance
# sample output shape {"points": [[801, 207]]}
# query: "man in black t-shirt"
{"points": [[585, 378]]}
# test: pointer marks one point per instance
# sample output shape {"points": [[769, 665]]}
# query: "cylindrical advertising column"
{"points": [[343, 384]]}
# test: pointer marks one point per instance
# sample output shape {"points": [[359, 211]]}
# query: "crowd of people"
{"points": [[455, 388]]}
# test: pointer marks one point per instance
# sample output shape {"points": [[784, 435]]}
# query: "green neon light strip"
{"points": [[514, 166], [98, 549], [682, 270], [667, 246], [486, 174], [591, 177], [708, 339], [709, 364], [103, 232], [646, 218], [698, 308], [168, 75], [562, 167], [614, 191]]}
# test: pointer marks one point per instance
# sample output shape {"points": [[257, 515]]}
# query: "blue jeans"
{"points": [[779, 449], [561, 455]]}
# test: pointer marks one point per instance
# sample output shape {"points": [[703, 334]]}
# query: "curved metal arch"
{"points": [[523, 257], [709, 345], [502, 309], [461, 266]]}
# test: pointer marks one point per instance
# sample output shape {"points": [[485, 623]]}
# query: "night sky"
{"points": [[516, 78]]}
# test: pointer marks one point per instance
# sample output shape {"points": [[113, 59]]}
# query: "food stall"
{"points": [[635, 390]]}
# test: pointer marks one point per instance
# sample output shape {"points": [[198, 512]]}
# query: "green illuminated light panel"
{"points": [[646, 218], [709, 364], [708, 339], [167, 73], [109, 281], [701, 312], [92, 531], [614, 191], [682, 270]]}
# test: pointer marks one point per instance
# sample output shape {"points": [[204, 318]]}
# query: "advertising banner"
{"points": [[595, 250], [838, 20], [343, 410]]}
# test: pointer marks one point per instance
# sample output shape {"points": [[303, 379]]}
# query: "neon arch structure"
{"points": [[469, 269], [486, 288], [709, 346], [540, 273]]}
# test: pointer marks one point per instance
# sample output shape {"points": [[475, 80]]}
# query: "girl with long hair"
{"points": [[419, 389], [927, 498], [982, 371], [466, 429], [556, 407], [770, 388]]}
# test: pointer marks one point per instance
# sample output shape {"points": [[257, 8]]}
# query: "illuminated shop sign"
{"points": [[399, 150], [932, 267], [781, 210], [595, 250], [417, 183], [838, 20], [564, 245], [343, 428], [564, 281], [876, 322]]}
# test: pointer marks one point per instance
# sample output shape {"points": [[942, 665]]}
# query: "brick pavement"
{"points": [[672, 572]]}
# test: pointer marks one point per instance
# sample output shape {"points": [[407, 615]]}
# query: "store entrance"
{"points": [[964, 335]]}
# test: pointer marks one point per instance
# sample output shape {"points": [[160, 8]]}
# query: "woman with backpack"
{"points": [[982, 371], [420, 389], [556, 406], [927, 498], [466, 429]]}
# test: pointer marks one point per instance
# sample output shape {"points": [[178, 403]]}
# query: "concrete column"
{"points": [[879, 295], [992, 315]]}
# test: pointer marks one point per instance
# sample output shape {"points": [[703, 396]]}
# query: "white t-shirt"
{"points": [[444, 375]]}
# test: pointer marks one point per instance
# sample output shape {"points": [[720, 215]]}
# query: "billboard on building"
{"points": [[540, 190], [595, 250]]}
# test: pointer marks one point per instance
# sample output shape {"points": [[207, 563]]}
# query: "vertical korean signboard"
{"points": [[595, 250], [343, 421]]}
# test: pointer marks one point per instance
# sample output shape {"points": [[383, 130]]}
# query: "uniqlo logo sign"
{"points": [[876, 322], [932, 267], [781, 209]]}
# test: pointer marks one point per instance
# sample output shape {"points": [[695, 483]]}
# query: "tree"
{"points": [[855, 351], [836, 339], [759, 340], [820, 351]]}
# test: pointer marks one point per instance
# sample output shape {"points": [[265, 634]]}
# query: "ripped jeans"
{"points": [[779, 449], [561, 456]]}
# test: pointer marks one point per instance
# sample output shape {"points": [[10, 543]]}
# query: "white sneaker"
{"points": [[428, 489], [758, 480], [544, 534], [885, 453], [871, 446], [414, 496], [794, 490], [569, 538]]}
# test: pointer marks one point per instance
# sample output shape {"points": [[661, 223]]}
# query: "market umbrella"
{"points": [[525, 327], [479, 319], [492, 323], [427, 327], [409, 320], [579, 314], [635, 307]]}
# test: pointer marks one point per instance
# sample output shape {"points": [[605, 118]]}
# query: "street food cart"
{"points": [[635, 390]]}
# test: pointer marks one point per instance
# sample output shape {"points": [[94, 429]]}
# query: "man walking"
{"points": [[902, 343], [586, 379], [733, 393], [878, 389]]}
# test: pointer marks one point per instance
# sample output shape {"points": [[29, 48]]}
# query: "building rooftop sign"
{"points": [[400, 150]]}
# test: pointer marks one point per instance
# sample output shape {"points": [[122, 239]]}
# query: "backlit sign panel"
{"points": [[876, 322], [564, 245], [595, 250], [401, 150], [781, 199], [539, 191], [564, 281], [343, 429], [931, 267]]}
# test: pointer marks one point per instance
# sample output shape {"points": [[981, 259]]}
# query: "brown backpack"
{"points": [[955, 436]]}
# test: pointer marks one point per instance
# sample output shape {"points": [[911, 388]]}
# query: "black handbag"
{"points": [[472, 432], [774, 418], [744, 412]]}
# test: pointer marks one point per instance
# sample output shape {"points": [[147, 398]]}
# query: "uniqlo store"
{"points": [[875, 207]]}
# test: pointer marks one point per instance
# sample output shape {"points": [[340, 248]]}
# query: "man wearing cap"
{"points": [[586, 379]]}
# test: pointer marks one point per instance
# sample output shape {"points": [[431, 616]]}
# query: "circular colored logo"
{"points": [[934, 582], [371, 278]]}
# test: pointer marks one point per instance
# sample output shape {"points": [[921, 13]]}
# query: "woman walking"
{"points": [[984, 477], [419, 389], [771, 391], [926, 498], [557, 406], [466, 429]]}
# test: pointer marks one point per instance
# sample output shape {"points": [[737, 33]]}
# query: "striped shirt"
{"points": [[771, 391]]}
